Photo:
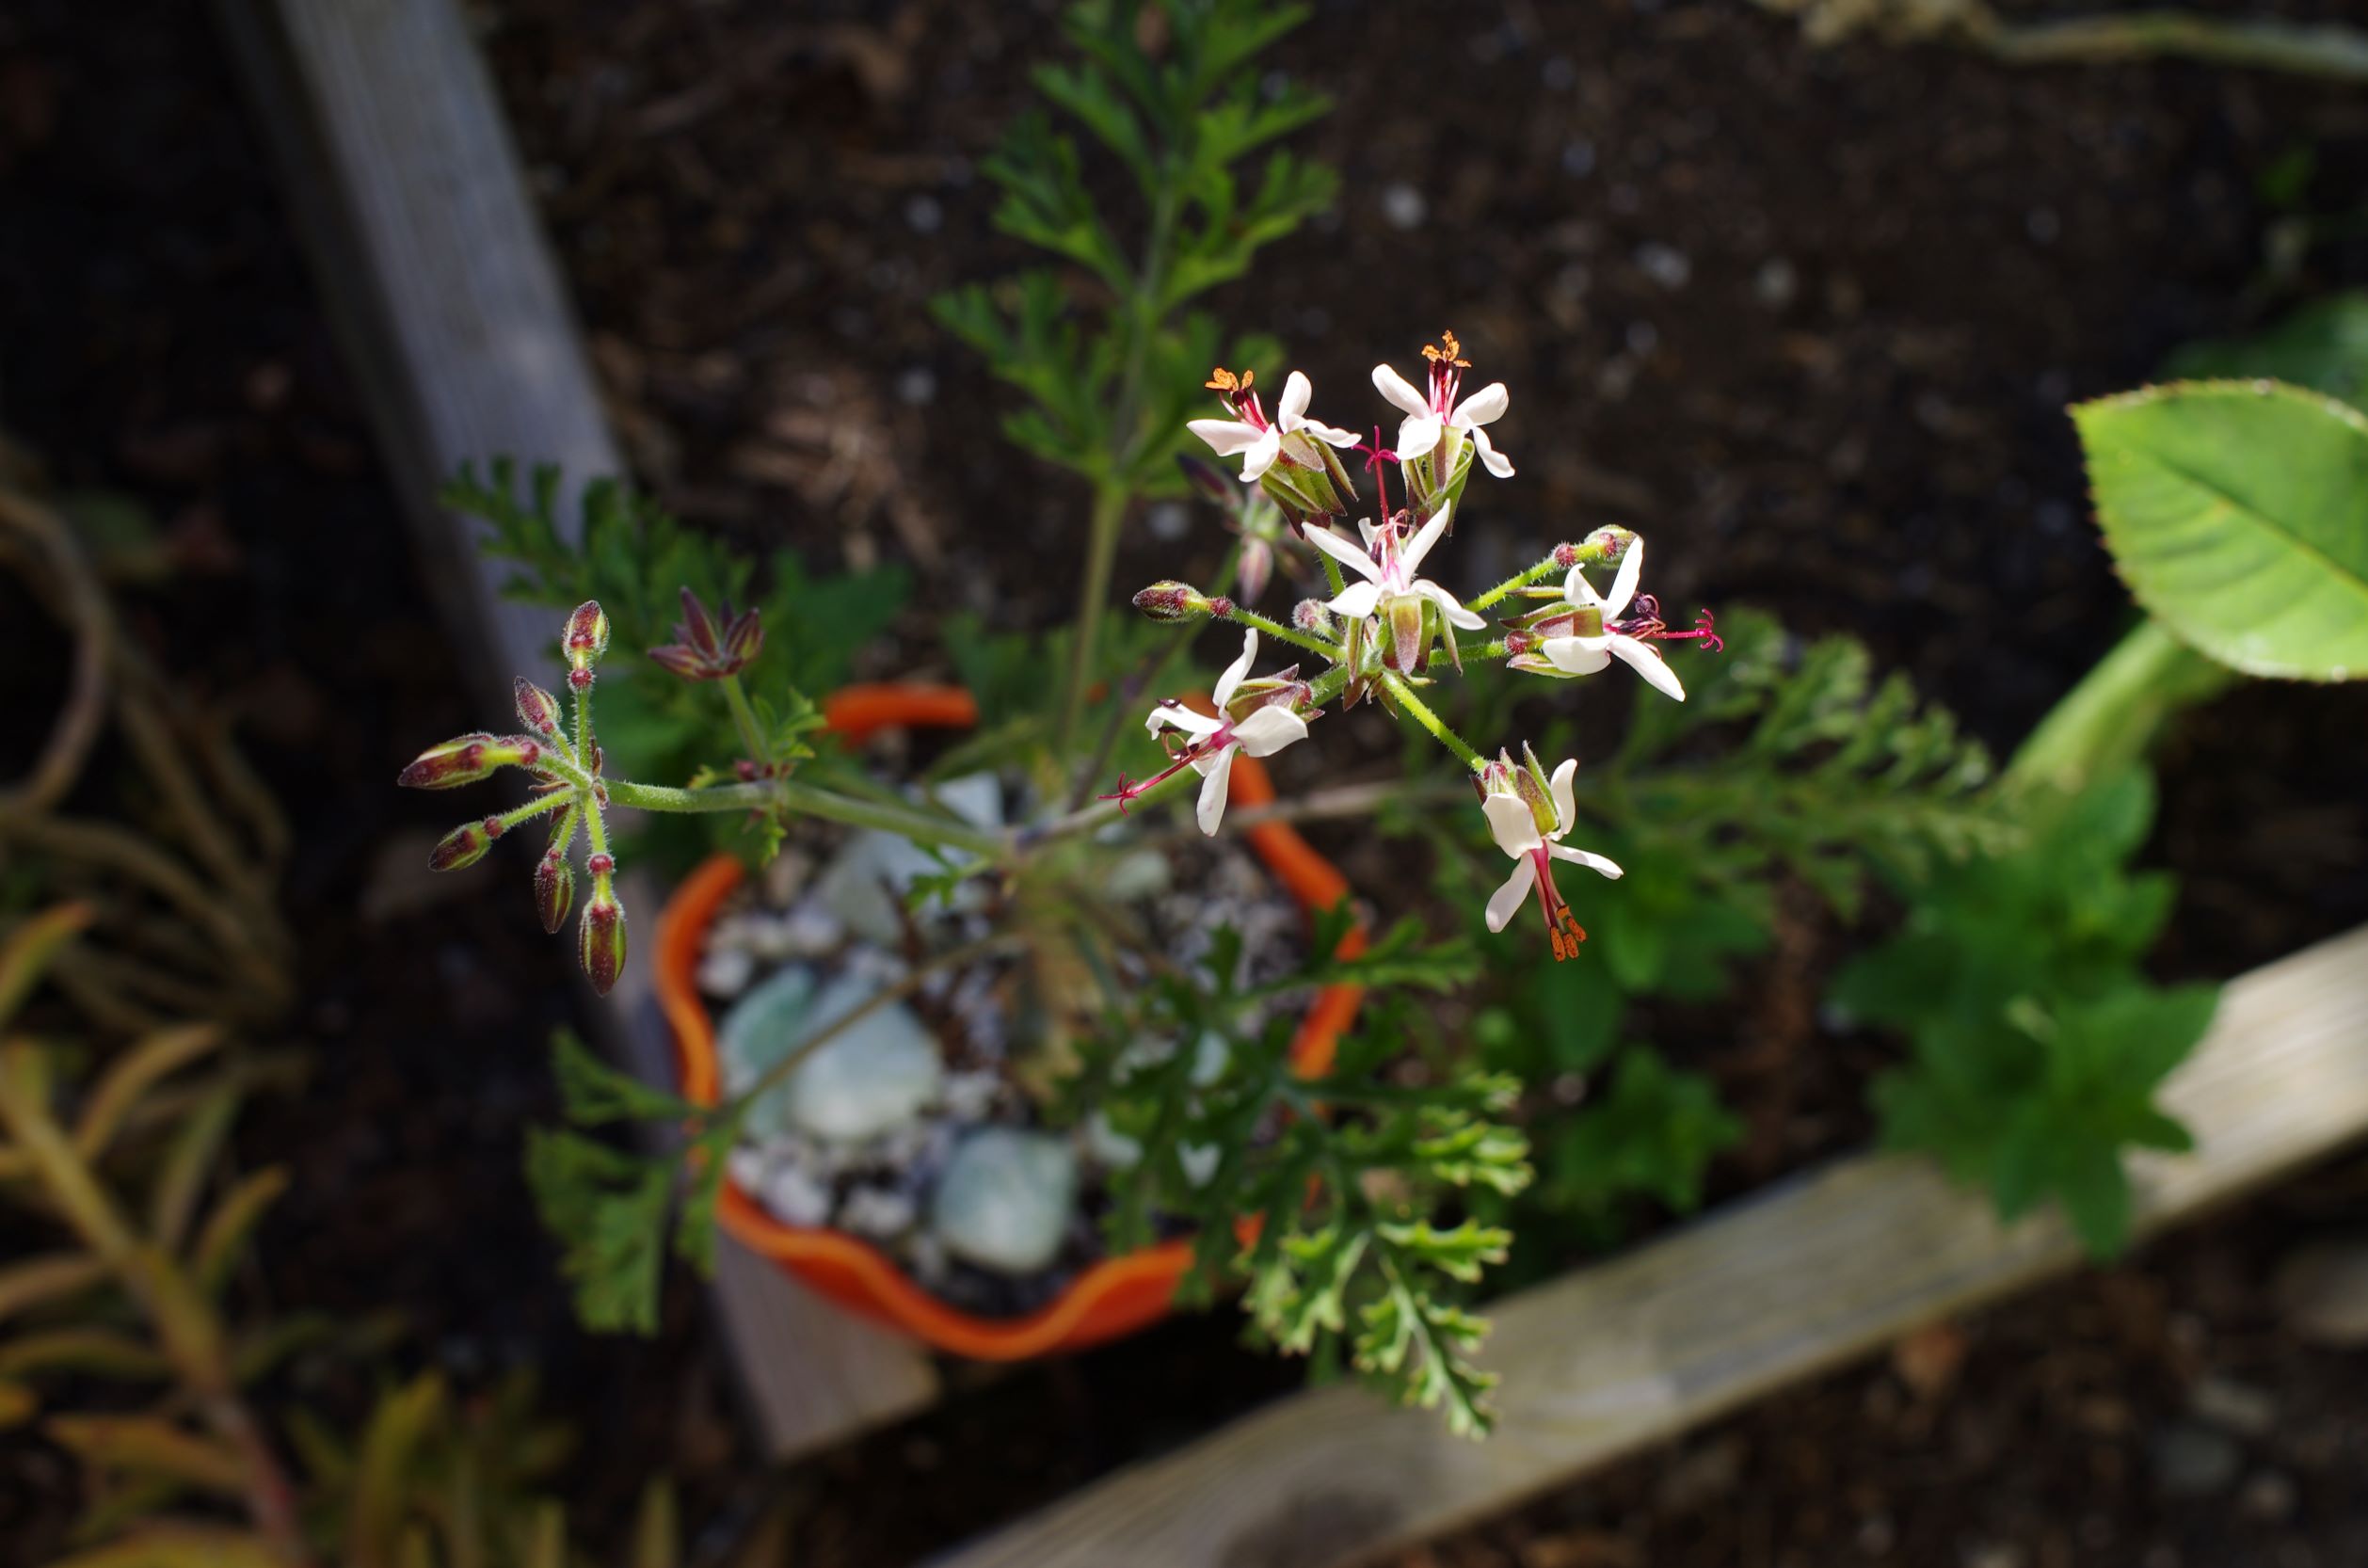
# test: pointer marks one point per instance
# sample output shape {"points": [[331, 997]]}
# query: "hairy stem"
{"points": [[1101, 554], [752, 738], [1416, 710], [1290, 634], [812, 801]]}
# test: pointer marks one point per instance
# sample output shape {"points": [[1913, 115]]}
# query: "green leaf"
{"points": [[609, 1209], [2237, 512], [2324, 346], [596, 1094]]}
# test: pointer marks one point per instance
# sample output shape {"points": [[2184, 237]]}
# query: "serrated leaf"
{"points": [[2237, 512], [609, 1209], [594, 1094]]}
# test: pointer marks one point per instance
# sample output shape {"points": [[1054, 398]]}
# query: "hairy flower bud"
{"points": [[469, 758], [1171, 601], [464, 845], [537, 709], [701, 651], [601, 941], [1610, 543], [555, 889], [1309, 615], [586, 637], [1208, 478]]}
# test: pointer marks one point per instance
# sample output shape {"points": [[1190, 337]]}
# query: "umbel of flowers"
{"points": [[1386, 629]]}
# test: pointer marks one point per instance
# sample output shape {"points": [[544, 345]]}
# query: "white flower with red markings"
{"points": [[1259, 442], [1256, 718], [1529, 815], [1392, 592], [1588, 631], [1434, 414]]}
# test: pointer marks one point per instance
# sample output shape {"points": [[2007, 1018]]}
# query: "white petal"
{"points": [[1566, 803], [1650, 664], [1577, 655], [1579, 591], [1223, 693], [1582, 857], [1174, 715], [1484, 407], [1343, 552], [1270, 729], [1211, 809], [1297, 391], [1510, 823], [1418, 437], [1400, 390], [1451, 607], [1365, 526], [1228, 436], [1419, 546], [1505, 900], [1260, 458], [1357, 601], [1623, 586], [1493, 460], [1329, 435]]}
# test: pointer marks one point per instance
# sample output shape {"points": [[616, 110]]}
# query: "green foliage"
{"points": [[2235, 513], [1341, 1172], [2037, 1041], [1654, 1132], [614, 1209], [634, 559], [2324, 346], [1108, 368]]}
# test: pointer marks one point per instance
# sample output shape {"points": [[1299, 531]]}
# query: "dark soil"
{"points": [[1809, 320]]}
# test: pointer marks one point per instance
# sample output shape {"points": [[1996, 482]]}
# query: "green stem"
{"points": [[1589, 553], [1287, 633], [2107, 721], [1224, 582], [1101, 554], [752, 738], [1416, 710], [2300, 48], [809, 800]]}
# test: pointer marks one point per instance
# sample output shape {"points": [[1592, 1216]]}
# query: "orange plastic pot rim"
{"points": [[1106, 1300]]}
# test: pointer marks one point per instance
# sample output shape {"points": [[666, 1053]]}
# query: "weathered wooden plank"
{"points": [[448, 306], [1793, 1282]]}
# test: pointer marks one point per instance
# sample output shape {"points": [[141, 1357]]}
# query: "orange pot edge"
{"points": [[1107, 1300]]}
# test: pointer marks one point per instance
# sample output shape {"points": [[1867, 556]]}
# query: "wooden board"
{"points": [[443, 294], [1798, 1280]]}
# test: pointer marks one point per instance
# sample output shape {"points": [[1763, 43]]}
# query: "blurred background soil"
{"points": [[1808, 319]]}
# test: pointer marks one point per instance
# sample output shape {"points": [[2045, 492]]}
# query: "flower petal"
{"points": [[1641, 657], [1451, 608], [1343, 552], [1399, 391], [1510, 823], [1582, 857], [1418, 437], [1211, 809], [1577, 655], [1270, 729], [1505, 900], [1484, 407], [1579, 591], [1329, 435], [1357, 601], [1623, 586], [1260, 458], [1174, 715], [1297, 391], [1419, 546], [1223, 693], [1493, 460], [1566, 801], [1227, 436]]}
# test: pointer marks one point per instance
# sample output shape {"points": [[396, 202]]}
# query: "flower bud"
{"points": [[537, 709], [1171, 601], [1608, 544], [601, 943], [1309, 615], [464, 845], [1257, 568], [701, 651], [586, 637], [555, 889], [467, 760], [1208, 478]]}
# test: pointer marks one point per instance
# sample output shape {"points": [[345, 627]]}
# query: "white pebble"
{"points": [[1404, 206], [876, 1212], [1005, 1199], [795, 1198], [726, 971]]}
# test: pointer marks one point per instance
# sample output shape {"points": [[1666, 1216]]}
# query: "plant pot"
{"points": [[1107, 1299]]}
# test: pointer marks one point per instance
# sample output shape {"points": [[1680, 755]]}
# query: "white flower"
{"points": [[1585, 652], [1528, 823], [1213, 741], [1388, 569], [1429, 417], [1259, 442]]}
